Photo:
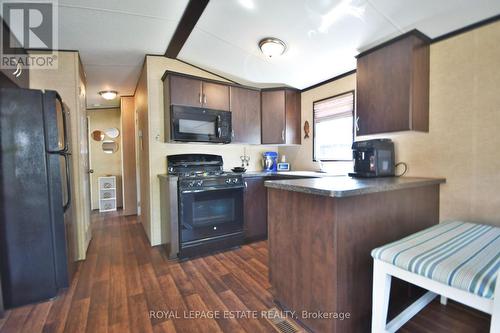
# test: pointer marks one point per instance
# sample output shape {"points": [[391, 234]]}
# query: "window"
{"points": [[333, 128]]}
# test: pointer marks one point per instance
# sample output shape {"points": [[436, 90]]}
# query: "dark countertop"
{"points": [[344, 186]]}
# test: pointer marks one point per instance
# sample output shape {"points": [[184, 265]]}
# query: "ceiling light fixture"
{"points": [[108, 94], [272, 47]]}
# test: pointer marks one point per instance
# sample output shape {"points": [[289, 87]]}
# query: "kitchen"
{"points": [[262, 244]]}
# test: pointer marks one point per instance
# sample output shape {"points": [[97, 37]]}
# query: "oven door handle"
{"points": [[208, 189]]}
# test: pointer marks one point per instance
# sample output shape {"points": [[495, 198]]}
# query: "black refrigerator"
{"points": [[35, 196]]}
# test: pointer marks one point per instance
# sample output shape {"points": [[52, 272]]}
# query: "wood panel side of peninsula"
{"points": [[319, 248]]}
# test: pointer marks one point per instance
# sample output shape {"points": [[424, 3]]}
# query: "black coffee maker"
{"points": [[373, 158]]}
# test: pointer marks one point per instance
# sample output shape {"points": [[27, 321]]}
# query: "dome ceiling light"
{"points": [[108, 94], [272, 47]]}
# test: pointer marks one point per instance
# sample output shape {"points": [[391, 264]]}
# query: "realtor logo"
{"points": [[28, 25]]}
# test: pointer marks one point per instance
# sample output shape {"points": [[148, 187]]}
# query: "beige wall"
{"points": [[158, 150], [301, 157], [69, 81], [464, 136], [128, 135], [142, 143], [104, 164]]}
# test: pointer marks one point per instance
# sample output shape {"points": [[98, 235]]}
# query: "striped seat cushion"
{"points": [[460, 254]]}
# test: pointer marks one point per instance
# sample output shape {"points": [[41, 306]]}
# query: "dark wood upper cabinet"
{"points": [[245, 109], [192, 91], [280, 116], [255, 209], [184, 91], [393, 86], [292, 117], [271, 116], [215, 96]]}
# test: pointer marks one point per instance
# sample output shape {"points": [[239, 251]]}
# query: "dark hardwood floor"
{"points": [[123, 279]]}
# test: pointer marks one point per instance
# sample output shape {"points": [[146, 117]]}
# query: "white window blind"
{"points": [[333, 108], [333, 128]]}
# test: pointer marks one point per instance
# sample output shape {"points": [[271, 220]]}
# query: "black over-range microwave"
{"points": [[193, 124]]}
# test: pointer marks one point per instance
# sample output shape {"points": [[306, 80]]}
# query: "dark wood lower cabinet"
{"points": [[255, 209], [319, 249]]}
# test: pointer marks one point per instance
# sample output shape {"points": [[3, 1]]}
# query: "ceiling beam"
{"points": [[191, 14]]}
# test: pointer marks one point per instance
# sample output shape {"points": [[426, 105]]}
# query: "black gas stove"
{"points": [[210, 204]]}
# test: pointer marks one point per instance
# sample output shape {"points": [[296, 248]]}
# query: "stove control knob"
{"points": [[199, 183], [235, 180], [191, 183], [228, 181]]}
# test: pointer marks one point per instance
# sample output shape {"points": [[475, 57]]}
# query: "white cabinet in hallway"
{"points": [[107, 194]]}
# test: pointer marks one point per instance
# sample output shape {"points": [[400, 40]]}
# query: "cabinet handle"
{"points": [[246, 184], [199, 97], [232, 134], [204, 99], [357, 125], [283, 135]]}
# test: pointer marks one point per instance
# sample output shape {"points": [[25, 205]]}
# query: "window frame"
{"points": [[314, 123]]}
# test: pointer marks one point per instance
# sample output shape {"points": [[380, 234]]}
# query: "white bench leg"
{"points": [[443, 300], [495, 315], [381, 292]]}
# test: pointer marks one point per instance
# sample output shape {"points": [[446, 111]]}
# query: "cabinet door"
{"points": [[245, 109], [255, 209], [383, 89], [273, 116], [292, 114], [185, 91], [216, 96]]}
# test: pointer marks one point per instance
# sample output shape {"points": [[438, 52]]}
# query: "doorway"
{"points": [[105, 158]]}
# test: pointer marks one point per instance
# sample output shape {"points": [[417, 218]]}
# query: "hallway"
{"points": [[123, 279]]}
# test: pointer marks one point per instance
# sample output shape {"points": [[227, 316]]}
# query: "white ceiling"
{"points": [[113, 36], [322, 36]]}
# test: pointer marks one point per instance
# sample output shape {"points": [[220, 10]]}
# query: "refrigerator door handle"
{"points": [[65, 130], [68, 184]]}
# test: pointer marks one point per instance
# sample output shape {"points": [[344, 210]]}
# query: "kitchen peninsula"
{"points": [[321, 232]]}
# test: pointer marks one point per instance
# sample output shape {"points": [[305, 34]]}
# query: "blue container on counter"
{"points": [[270, 161]]}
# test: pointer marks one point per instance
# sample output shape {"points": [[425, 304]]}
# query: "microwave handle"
{"points": [[219, 129]]}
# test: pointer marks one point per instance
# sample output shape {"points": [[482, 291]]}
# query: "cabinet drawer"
{"points": [[108, 194], [106, 205], [107, 183]]}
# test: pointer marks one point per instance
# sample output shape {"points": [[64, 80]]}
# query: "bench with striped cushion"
{"points": [[456, 260], [460, 254]]}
